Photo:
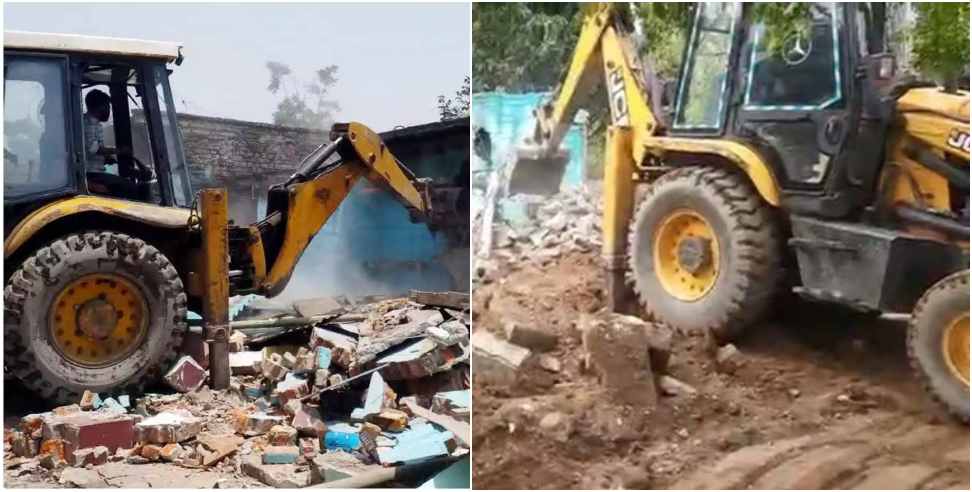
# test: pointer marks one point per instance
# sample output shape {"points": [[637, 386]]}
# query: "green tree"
{"points": [[940, 43], [457, 107], [303, 105]]}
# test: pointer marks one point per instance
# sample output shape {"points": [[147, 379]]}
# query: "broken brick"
{"points": [[66, 410], [289, 360], [309, 447], [24, 445], [171, 452], [291, 388], [258, 423], [390, 419], [282, 435], [214, 447], [89, 430], [90, 400], [186, 375], [168, 427], [151, 452], [280, 455], [307, 421], [237, 341], [245, 363], [342, 347], [273, 368]]}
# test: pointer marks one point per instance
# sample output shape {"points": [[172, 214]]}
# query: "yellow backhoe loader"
{"points": [[811, 161], [104, 256]]}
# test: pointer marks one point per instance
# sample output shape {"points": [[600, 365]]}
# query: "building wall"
{"points": [[369, 246]]}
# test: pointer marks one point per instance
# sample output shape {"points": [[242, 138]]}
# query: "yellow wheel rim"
{"points": [[955, 346], [98, 319], [686, 255]]}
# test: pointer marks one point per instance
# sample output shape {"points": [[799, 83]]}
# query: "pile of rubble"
{"points": [[370, 388], [550, 226]]}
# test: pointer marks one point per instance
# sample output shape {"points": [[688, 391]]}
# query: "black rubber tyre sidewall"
{"points": [[940, 305], [64, 260]]}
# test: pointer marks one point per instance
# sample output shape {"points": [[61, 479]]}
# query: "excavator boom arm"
{"points": [[299, 208]]}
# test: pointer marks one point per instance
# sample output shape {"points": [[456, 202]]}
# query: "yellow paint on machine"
{"points": [[153, 215]]}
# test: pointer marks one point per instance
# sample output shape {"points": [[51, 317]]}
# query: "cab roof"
{"points": [[76, 43]]}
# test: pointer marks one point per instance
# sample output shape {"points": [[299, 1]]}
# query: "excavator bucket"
{"points": [[537, 173]]}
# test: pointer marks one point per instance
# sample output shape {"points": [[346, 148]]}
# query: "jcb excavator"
{"points": [[811, 161], [101, 267]]}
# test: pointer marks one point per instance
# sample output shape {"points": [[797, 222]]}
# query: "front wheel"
{"points": [[705, 252], [98, 311], [938, 342]]}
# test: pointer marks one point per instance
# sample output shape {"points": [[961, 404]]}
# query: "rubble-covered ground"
{"points": [[326, 390], [568, 397]]}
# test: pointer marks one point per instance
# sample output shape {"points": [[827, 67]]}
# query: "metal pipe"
{"points": [[926, 158], [313, 161], [946, 224]]}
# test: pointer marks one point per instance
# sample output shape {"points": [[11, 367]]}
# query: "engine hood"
{"points": [[933, 100]]}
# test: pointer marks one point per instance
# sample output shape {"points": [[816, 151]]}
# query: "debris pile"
{"points": [[550, 227], [365, 389]]}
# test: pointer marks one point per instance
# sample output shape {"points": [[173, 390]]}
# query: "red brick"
{"points": [[186, 375], [110, 430], [307, 421], [195, 346]]}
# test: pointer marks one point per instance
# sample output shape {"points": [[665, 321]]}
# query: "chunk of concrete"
{"points": [[530, 337], [282, 435], [496, 361], [616, 354], [277, 476], [214, 447], [246, 363], [82, 478], [338, 465]]}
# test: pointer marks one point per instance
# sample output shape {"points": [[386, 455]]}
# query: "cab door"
{"points": [[801, 103]]}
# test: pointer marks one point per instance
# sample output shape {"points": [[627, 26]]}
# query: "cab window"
{"points": [[804, 74], [701, 94], [36, 156]]}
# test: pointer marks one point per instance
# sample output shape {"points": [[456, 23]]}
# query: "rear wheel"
{"points": [[98, 310], [704, 252], [938, 342]]}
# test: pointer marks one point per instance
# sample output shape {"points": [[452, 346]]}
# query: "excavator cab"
{"points": [[810, 102], [55, 146]]}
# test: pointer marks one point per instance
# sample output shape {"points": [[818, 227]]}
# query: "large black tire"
{"points": [[749, 251], [29, 351], [941, 305]]}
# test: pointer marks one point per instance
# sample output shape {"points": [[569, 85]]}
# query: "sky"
{"points": [[394, 59]]}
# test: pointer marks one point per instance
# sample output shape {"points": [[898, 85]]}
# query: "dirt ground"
{"points": [[825, 399]]}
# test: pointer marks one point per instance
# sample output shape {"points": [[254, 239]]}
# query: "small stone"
{"points": [[552, 421], [550, 363], [683, 433], [842, 398], [794, 393], [673, 387], [728, 359], [258, 423]]}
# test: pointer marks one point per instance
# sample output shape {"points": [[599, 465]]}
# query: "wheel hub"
{"points": [[694, 253], [955, 346], [98, 319], [686, 255]]}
